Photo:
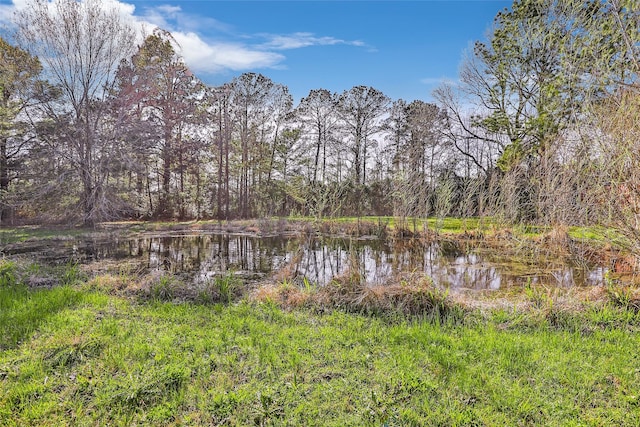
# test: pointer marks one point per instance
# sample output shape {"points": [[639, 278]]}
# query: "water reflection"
{"points": [[202, 256]]}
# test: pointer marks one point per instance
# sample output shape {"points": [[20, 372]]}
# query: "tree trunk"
{"points": [[164, 206], [5, 211]]}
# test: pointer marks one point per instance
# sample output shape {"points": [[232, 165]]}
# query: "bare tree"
{"points": [[80, 45], [478, 147]]}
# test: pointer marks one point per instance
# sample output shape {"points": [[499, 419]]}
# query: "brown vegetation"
{"points": [[414, 296]]}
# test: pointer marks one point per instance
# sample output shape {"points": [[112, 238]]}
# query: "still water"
{"points": [[318, 260]]}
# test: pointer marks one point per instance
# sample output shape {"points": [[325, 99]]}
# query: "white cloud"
{"points": [[155, 18], [169, 10], [211, 57], [200, 55], [300, 40], [438, 80], [224, 51], [207, 56], [172, 17]]}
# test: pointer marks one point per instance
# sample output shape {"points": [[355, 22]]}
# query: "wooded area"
{"points": [[543, 127]]}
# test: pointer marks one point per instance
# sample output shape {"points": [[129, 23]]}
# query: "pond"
{"points": [[200, 256]]}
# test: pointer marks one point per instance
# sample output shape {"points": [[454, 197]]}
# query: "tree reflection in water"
{"points": [[448, 263]]}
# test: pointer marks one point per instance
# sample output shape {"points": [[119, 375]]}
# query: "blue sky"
{"points": [[403, 48]]}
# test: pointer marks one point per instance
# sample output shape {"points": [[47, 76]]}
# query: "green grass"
{"points": [[599, 235], [23, 311], [78, 357], [446, 225], [22, 234]]}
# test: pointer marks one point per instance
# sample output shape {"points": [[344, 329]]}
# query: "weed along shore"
{"points": [[155, 334]]}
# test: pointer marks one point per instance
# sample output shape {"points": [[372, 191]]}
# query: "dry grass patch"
{"points": [[415, 298], [557, 240], [413, 295], [284, 294], [109, 283]]}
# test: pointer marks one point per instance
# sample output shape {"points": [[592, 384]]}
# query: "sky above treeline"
{"points": [[403, 48]]}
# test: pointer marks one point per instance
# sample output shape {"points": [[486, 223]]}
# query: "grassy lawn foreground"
{"points": [[69, 356]]}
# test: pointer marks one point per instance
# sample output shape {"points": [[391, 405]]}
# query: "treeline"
{"points": [[542, 127]]}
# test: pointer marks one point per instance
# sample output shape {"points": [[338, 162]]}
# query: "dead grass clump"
{"points": [[370, 228], [413, 296], [428, 236], [289, 272], [109, 283], [305, 228], [284, 294], [585, 254], [267, 226], [293, 296], [591, 295], [358, 228], [502, 239], [254, 229], [117, 277], [267, 292], [343, 290], [352, 229], [415, 299], [626, 297], [558, 240]]}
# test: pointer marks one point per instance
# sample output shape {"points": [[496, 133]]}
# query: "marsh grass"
{"points": [[221, 289], [70, 274], [354, 227], [539, 296]]}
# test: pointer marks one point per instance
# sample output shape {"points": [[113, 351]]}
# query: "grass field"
{"points": [[74, 356]]}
